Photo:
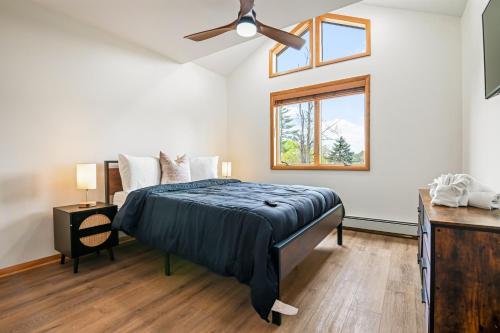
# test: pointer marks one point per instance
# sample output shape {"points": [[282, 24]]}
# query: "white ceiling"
{"points": [[446, 7], [225, 62], [160, 25]]}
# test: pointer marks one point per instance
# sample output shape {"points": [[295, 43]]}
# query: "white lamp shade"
{"points": [[86, 176], [226, 169]]}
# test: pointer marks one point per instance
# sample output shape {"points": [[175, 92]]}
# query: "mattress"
{"points": [[119, 198]]}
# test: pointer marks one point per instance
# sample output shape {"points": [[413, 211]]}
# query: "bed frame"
{"points": [[286, 254]]}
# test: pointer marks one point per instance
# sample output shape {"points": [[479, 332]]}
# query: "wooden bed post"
{"points": [[112, 180], [167, 264], [276, 316], [339, 234]]}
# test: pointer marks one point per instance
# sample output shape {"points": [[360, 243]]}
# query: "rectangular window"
{"points": [[340, 38], [285, 60], [324, 126], [296, 133]]}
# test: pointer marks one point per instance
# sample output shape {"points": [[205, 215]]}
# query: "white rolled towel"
{"points": [[484, 200]]}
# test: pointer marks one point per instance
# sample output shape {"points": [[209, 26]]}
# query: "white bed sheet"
{"points": [[119, 198]]}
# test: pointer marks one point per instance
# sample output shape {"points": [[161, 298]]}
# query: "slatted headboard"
{"points": [[112, 180]]}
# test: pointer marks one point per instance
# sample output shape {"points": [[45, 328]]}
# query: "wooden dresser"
{"points": [[459, 257]]}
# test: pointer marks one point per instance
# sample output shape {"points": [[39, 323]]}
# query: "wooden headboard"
{"points": [[112, 180]]}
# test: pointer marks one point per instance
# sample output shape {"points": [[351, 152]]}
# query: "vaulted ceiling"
{"points": [[160, 25], [445, 7]]}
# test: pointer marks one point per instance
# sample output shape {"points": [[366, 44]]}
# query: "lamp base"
{"points": [[87, 204]]}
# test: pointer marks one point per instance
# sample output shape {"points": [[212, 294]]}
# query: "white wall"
{"points": [[415, 110], [481, 117], [70, 94]]}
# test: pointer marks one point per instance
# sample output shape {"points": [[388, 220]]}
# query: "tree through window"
{"points": [[296, 133], [324, 126]]}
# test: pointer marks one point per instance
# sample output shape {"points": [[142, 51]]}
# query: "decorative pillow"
{"points": [[204, 167], [174, 171], [138, 172]]}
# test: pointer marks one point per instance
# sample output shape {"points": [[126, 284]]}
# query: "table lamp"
{"points": [[226, 169], [86, 180]]}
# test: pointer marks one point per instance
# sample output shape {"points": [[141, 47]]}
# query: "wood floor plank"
{"points": [[370, 284], [337, 295], [361, 320], [402, 310], [370, 294]]}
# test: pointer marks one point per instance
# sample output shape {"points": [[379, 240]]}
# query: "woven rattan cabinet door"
{"points": [[99, 238]]}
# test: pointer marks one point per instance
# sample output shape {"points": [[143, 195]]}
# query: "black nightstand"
{"points": [[80, 231]]}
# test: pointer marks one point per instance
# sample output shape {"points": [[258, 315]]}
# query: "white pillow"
{"points": [[204, 167], [138, 172]]}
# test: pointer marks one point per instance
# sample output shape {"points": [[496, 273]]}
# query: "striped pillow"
{"points": [[174, 171]]}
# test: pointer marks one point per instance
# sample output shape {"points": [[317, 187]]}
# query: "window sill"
{"points": [[320, 63], [295, 70], [322, 167]]}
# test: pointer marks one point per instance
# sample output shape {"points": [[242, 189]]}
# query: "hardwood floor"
{"points": [[371, 284]]}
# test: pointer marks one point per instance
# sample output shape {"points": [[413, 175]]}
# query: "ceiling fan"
{"points": [[246, 25]]}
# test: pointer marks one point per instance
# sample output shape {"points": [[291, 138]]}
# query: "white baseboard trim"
{"points": [[396, 227]]}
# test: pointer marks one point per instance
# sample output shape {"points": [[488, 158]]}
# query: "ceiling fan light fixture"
{"points": [[246, 27]]}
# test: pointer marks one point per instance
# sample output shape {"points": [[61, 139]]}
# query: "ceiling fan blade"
{"points": [[281, 36], [245, 7], [199, 36]]}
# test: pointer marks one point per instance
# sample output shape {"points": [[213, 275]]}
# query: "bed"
{"points": [[255, 232]]}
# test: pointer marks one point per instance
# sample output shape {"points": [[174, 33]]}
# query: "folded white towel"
{"points": [[462, 190], [446, 195], [450, 190]]}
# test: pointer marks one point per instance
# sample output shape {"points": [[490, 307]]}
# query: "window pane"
{"points": [[295, 137], [291, 58], [343, 130], [339, 41]]}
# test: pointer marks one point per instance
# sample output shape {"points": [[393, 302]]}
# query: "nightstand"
{"points": [[80, 231]]}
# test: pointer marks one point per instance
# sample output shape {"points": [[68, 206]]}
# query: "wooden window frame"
{"points": [[347, 20], [278, 48], [333, 86]]}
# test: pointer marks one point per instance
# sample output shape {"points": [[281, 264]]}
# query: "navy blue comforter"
{"points": [[225, 225]]}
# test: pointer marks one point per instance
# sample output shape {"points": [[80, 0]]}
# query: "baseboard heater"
{"points": [[385, 226]]}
